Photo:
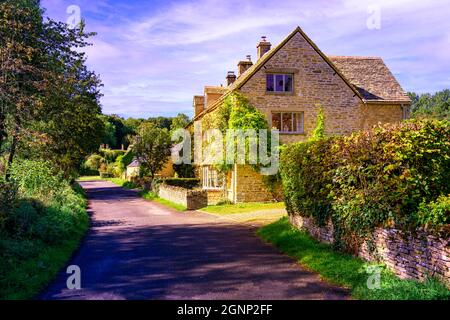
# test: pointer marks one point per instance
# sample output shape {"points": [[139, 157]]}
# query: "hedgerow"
{"points": [[42, 219], [395, 175]]}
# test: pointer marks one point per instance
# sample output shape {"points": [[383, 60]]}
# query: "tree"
{"points": [[152, 148], [427, 105], [22, 73], [180, 122], [109, 136], [50, 100]]}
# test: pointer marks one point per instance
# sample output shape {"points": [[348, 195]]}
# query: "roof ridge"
{"points": [[355, 57]]}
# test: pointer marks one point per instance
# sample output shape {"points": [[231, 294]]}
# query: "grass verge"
{"points": [[346, 270], [28, 265], [148, 195], [243, 207]]}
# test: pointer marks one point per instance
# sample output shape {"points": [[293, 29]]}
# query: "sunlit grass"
{"points": [[243, 207], [346, 270], [148, 195]]}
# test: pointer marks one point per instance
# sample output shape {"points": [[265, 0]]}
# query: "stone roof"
{"points": [[368, 77], [134, 164], [371, 77]]}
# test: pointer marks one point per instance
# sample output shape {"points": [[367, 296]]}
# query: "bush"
{"points": [[94, 162], [187, 183], [44, 219], [391, 176], [47, 207], [111, 156]]}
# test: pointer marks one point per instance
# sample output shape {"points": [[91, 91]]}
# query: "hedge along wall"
{"points": [[394, 177]]}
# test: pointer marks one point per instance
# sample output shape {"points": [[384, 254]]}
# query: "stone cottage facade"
{"points": [[289, 83]]}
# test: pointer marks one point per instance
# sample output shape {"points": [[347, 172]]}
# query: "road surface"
{"points": [[139, 250]]}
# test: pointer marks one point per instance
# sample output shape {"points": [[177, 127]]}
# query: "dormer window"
{"points": [[279, 82]]}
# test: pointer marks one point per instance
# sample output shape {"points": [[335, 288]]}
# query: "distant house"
{"points": [[134, 167], [289, 83]]}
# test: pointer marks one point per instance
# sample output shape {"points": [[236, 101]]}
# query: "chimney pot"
{"points": [[263, 47], [244, 65]]}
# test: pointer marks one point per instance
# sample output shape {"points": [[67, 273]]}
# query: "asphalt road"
{"points": [[140, 250]]}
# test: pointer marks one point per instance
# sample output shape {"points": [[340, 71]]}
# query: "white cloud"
{"points": [[156, 59]]}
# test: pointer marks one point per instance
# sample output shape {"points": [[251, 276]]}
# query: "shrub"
{"points": [[187, 183], [110, 156], [392, 176], [94, 162], [47, 208]]}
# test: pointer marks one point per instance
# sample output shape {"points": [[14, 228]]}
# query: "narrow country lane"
{"points": [[137, 249]]}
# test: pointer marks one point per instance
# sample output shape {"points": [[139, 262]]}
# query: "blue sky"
{"points": [[154, 56]]}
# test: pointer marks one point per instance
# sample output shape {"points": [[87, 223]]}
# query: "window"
{"points": [[279, 82], [288, 122], [211, 179]]}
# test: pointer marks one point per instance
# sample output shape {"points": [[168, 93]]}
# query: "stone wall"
{"points": [[315, 83], [372, 114], [214, 197], [250, 186], [191, 199], [407, 255]]}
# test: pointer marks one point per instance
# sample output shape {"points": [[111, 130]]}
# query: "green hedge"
{"points": [[42, 220], [187, 183], [392, 176]]}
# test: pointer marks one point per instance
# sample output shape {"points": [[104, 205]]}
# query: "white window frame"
{"points": [[284, 82], [300, 126], [211, 179]]}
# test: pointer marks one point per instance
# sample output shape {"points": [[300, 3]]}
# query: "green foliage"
{"points": [[45, 220], [110, 155], [109, 136], [179, 122], [50, 100], [94, 162], [152, 148], [387, 177], [319, 131], [435, 106], [235, 113], [123, 161], [346, 270], [187, 183], [245, 116], [184, 170], [435, 213]]}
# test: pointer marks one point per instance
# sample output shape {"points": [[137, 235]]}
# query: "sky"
{"points": [[153, 56]]}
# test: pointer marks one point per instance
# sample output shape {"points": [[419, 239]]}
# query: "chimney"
{"points": [[199, 105], [244, 65], [263, 47], [231, 78]]}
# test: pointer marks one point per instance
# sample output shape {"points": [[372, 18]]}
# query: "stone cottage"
{"points": [[289, 83]]}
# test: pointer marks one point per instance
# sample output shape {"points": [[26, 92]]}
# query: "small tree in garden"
{"points": [[152, 148]]}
